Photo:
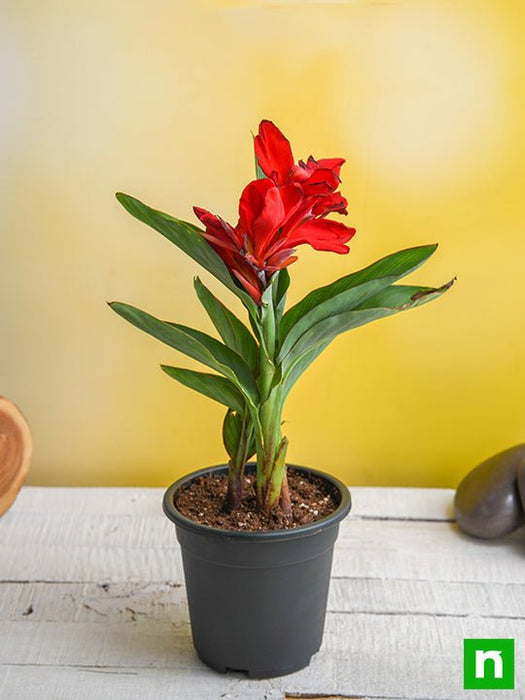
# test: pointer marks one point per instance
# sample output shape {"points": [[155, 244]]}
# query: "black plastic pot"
{"points": [[257, 600]]}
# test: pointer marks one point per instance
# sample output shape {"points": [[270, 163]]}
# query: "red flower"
{"points": [[278, 213], [315, 177]]}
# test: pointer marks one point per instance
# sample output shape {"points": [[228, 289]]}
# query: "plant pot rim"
{"points": [[334, 518]]}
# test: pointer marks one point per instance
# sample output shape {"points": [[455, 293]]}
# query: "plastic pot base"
{"points": [[258, 674]]}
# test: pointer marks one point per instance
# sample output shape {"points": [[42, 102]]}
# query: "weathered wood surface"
{"points": [[92, 602]]}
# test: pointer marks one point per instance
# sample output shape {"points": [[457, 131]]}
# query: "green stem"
{"points": [[271, 446], [276, 478], [286, 504]]}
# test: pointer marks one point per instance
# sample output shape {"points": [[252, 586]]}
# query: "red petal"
{"points": [[323, 234], [303, 170], [292, 201], [333, 164], [204, 215], [321, 181], [292, 197], [326, 204], [228, 256], [252, 290], [252, 202], [217, 228], [300, 172], [273, 152], [281, 259], [254, 262], [289, 261], [218, 242], [261, 213], [269, 220]]}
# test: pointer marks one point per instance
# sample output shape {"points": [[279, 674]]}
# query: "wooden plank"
{"points": [[426, 551], [80, 603], [386, 502], [402, 503], [95, 501], [405, 656], [107, 683], [26, 682], [90, 683], [406, 637], [122, 602], [431, 598], [88, 530], [117, 548]]}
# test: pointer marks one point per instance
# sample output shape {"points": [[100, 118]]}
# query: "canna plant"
{"points": [[255, 366]]}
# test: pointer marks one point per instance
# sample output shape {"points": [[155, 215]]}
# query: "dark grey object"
{"points": [[257, 600], [521, 481], [487, 502]]}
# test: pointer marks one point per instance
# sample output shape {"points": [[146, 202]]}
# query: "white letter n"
{"points": [[482, 656]]}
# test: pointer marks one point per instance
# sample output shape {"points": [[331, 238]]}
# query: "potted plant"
{"points": [[257, 537]]}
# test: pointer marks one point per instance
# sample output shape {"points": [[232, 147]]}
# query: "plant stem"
{"points": [[234, 495], [286, 504], [275, 479], [237, 464], [271, 445]]}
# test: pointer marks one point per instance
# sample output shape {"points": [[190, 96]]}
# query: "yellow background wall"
{"points": [[425, 100]]}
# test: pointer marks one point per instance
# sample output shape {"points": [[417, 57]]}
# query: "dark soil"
{"points": [[204, 499]]}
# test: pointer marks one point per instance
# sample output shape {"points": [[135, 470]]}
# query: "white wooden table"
{"points": [[92, 602]]}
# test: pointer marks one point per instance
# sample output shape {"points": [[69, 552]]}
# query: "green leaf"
{"points": [[232, 428], [195, 344], [267, 317], [344, 302], [232, 331], [259, 173], [212, 385], [401, 297], [279, 291], [238, 438], [189, 239], [348, 292], [297, 368], [385, 303]]}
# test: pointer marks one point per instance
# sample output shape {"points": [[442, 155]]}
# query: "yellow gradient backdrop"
{"points": [[425, 100]]}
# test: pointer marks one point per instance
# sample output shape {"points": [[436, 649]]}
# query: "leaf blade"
{"points": [[279, 293], [394, 299], [233, 332], [189, 239], [194, 344], [213, 386], [348, 291], [401, 295]]}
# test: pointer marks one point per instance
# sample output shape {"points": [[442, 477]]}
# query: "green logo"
{"points": [[488, 663]]}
